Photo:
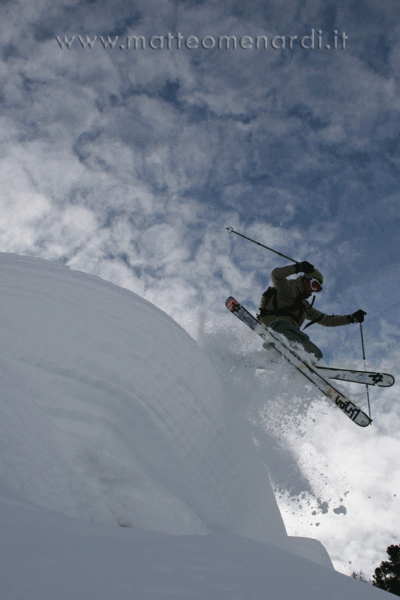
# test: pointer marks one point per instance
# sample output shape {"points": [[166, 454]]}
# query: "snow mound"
{"points": [[110, 412]]}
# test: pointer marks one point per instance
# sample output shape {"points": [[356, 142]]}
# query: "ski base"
{"points": [[365, 377], [351, 410], [372, 378]]}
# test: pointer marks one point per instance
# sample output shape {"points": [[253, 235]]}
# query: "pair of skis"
{"points": [[317, 375]]}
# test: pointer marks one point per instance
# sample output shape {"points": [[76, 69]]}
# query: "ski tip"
{"points": [[229, 229], [365, 422], [232, 304]]}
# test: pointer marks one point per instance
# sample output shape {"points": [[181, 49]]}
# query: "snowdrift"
{"points": [[111, 412]]}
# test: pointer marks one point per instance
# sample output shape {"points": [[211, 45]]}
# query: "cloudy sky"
{"points": [[134, 133]]}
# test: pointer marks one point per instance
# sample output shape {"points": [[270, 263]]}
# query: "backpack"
{"points": [[287, 311]]}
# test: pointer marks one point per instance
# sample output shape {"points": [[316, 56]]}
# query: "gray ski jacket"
{"points": [[287, 301]]}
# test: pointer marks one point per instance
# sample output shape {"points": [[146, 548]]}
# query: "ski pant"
{"points": [[293, 334]]}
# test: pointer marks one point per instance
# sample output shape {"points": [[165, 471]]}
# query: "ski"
{"points": [[366, 377], [351, 410], [372, 378]]}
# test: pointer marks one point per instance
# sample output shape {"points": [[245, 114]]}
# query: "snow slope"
{"points": [[110, 414], [46, 556]]}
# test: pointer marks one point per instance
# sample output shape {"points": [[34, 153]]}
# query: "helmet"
{"points": [[317, 275]]}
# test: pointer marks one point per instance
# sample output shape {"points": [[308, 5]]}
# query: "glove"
{"points": [[304, 267], [357, 317]]}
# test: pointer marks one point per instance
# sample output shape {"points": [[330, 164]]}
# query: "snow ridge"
{"points": [[117, 413]]}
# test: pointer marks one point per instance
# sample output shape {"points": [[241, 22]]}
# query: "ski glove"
{"points": [[304, 267], [357, 317]]}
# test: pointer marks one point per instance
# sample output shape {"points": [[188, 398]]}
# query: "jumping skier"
{"points": [[284, 307]]}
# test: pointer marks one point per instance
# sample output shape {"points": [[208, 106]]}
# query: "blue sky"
{"points": [[130, 164]]}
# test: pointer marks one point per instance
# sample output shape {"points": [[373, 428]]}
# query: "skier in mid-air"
{"points": [[285, 306]]}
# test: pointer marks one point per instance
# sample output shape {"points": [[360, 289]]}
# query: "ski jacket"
{"points": [[287, 301]]}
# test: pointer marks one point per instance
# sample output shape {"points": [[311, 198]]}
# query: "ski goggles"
{"points": [[314, 283]]}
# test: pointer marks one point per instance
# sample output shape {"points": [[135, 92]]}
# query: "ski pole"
{"points": [[231, 230], [365, 366]]}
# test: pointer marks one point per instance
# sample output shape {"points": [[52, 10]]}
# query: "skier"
{"points": [[284, 307]]}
